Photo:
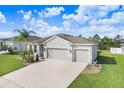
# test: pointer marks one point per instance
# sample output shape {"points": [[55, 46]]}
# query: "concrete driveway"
{"points": [[45, 74]]}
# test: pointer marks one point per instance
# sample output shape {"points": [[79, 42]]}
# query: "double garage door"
{"points": [[79, 55], [57, 53]]}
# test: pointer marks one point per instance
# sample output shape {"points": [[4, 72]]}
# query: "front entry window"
{"points": [[35, 48]]}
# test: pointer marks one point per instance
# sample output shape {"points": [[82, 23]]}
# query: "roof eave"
{"points": [[83, 44]]}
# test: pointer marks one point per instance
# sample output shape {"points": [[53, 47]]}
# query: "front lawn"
{"points": [[111, 75], [9, 63]]}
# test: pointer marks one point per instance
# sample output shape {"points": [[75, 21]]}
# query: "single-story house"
{"points": [[65, 47], [19, 45]]}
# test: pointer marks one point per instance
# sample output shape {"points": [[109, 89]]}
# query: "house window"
{"points": [[30, 47], [35, 48], [15, 48]]}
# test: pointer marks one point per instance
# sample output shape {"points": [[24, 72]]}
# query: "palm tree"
{"points": [[24, 35], [118, 37]]}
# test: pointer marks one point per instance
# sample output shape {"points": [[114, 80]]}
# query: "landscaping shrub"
{"points": [[27, 56], [4, 47], [11, 51]]}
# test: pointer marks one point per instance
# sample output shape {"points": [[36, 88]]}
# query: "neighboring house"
{"points": [[65, 47], [17, 45]]}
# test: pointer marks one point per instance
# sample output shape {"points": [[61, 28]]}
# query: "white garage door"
{"points": [[82, 55], [55, 53]]}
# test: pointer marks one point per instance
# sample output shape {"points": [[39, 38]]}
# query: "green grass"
{"points": [[111, 75], [9, 63]]}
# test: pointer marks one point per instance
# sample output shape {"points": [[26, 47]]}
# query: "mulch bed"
{"points": [[26, 63], [92, 69]]}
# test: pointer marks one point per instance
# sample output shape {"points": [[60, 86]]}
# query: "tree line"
{"points": [[105, 43]]}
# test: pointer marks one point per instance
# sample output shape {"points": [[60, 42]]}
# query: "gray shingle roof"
{"points": [[75, 39], [30, 38], [41, 40]]}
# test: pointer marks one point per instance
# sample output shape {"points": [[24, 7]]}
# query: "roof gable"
{"points": [[54, 37], [72, 39]]}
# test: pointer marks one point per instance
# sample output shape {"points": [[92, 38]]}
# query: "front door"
{"points": [[41, 50]]}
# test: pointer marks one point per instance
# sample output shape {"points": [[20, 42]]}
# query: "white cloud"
{"points": [[66, 17], [5, 34], [55, 29], [91, 20], [101, 30], [37, 24], [50, 12], [105, 10], [66, 25], [108, 26], [86, 13], [116, 19], [35, 11], [43, 28], [88, 20], [2, 18], [98, 11], [79, 18], [21, 11], [26, 15]]}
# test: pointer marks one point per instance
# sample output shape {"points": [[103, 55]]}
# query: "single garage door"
{"points": [[82, 55], [57, 53]]}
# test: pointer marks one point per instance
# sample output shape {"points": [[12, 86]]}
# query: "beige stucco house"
{"points": [[65, 47]]}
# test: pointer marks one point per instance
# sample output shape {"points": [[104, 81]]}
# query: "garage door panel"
{"points": [[82, 55], [60, 54]]}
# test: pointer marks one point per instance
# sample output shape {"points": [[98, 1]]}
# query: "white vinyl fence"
{"points": [[116, 50]]}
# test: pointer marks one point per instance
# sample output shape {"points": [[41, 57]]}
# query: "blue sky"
{"points": [[74, 19]]}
